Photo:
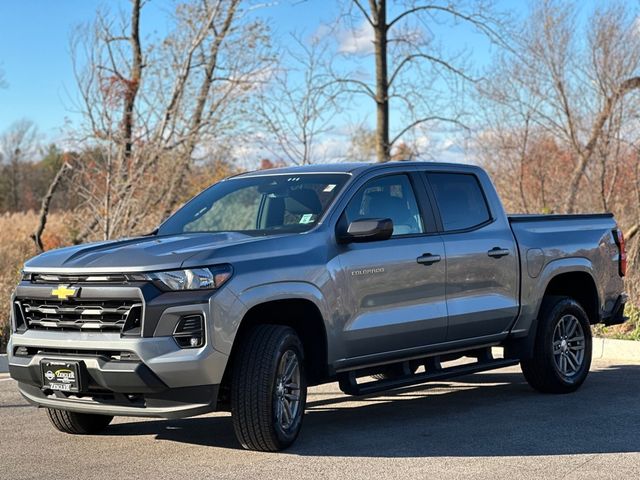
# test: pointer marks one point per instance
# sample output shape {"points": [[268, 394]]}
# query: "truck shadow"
{"points": [[490, 414]]}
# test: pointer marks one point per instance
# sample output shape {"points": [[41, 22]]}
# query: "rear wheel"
{"points": [[268, 388], [562, 353], [78, 423]]}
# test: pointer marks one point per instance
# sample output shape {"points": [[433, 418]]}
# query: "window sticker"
{"points": [[307, 218], [329, 188]]}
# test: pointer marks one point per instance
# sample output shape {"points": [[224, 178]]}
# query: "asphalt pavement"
{"points": [[488, 425]]}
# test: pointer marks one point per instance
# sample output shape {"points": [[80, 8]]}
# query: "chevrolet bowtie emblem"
{"points": [[63, 292]]}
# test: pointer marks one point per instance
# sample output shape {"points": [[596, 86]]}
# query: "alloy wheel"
{"points": [[287, 390], [568, 345]]}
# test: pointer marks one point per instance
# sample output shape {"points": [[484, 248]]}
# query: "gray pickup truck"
{"points": [[376, 276]]}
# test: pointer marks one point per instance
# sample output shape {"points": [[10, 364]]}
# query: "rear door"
{"points": [[481, 257], [394, 302]]}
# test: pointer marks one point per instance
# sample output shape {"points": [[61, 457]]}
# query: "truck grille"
{"points": [[99, 315], [49, 279]]}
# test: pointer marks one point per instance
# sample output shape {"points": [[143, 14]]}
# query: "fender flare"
{"points": [[524, 332], [288, 290], [558, 267]]}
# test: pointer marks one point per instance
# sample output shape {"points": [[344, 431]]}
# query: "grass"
{"points": [[4, 337], [15, 247], [630, 330]]}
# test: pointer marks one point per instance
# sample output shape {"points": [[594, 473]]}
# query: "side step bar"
{"points": [[434, 371]]}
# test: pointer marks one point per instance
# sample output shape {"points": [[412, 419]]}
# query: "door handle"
{"points": [[497, 252], [428, 259]]}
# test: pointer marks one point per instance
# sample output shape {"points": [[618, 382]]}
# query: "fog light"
{"points": [[189, 332], [21, 352]]}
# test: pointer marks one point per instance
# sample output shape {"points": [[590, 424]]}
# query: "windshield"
{"points": [[259, 205]]}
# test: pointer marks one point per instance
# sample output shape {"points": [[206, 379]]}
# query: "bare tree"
{"points": [[18, 144], [573, 90], [46, 204], [149, 109], [362, 144], [411, 65], [298, 104]]}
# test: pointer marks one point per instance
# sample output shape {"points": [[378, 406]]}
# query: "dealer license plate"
{"points": [[60, 375]]}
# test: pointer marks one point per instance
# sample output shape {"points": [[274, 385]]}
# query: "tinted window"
{"points": [[387, 197], [258, 205], [460, 200]]}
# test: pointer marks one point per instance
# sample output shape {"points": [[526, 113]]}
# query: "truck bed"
{"points": [[547, 242]]}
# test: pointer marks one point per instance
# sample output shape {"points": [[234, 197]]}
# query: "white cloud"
{"points": [[422, 143], [332, 148], [440, 148], [448, 143], [358, 40]]}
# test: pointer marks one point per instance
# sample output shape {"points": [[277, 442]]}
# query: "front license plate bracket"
{"points": [[61, 375]]}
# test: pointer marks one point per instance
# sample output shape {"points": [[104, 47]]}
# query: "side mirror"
{"points": [[367, 230]]}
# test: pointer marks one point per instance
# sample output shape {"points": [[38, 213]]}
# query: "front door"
{"points": [[395, 291]]}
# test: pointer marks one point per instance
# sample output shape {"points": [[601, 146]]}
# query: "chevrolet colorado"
{"points": [[375, 276]]}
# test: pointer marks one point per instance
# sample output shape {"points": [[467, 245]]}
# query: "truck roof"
{"points": [[347, 167]]}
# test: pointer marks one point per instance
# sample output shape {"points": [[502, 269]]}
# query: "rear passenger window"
{"points": [[460, 200]]}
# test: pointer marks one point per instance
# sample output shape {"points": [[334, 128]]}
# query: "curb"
{"points": [[611, 349], [4, 364]]}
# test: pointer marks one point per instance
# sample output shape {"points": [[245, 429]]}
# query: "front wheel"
{"points": [[268, 388], [78, 423], [562, 353]]}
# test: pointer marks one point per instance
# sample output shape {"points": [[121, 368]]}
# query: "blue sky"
{"points": [[34, 49]]}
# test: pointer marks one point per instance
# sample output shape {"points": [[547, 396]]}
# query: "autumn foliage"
{"points": [[16, 246]]}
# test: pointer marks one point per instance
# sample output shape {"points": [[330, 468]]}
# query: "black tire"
{"points": [[78, 423], [258, 396], [547, 371]]}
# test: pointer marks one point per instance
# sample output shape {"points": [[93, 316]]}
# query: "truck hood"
{"points": [[140, 254]]}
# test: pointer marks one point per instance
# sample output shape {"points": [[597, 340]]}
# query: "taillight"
{"points": [[622, 257]]}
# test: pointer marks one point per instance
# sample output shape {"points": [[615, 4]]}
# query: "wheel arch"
{"points": [[299, 305], [578, 285], [303, 316], [570, 277]]}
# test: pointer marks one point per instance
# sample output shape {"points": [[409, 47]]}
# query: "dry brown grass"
{"points": [[16, 246]]}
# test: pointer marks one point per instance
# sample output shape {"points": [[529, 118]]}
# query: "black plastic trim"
{"points": [[348, 384], [172, 403], [114, 376], [519, 218], [616, 317], [425, 205], [395, 356]]}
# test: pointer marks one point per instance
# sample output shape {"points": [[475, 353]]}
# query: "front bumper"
{"points": [[146, 375], [174, 403], [104, 374], [163, 380]]}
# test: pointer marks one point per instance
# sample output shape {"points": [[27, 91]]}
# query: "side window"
{"points": [[460, 200], [387, 197]]}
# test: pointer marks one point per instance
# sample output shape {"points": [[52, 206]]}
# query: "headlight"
{"points": [[193, 278]]}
